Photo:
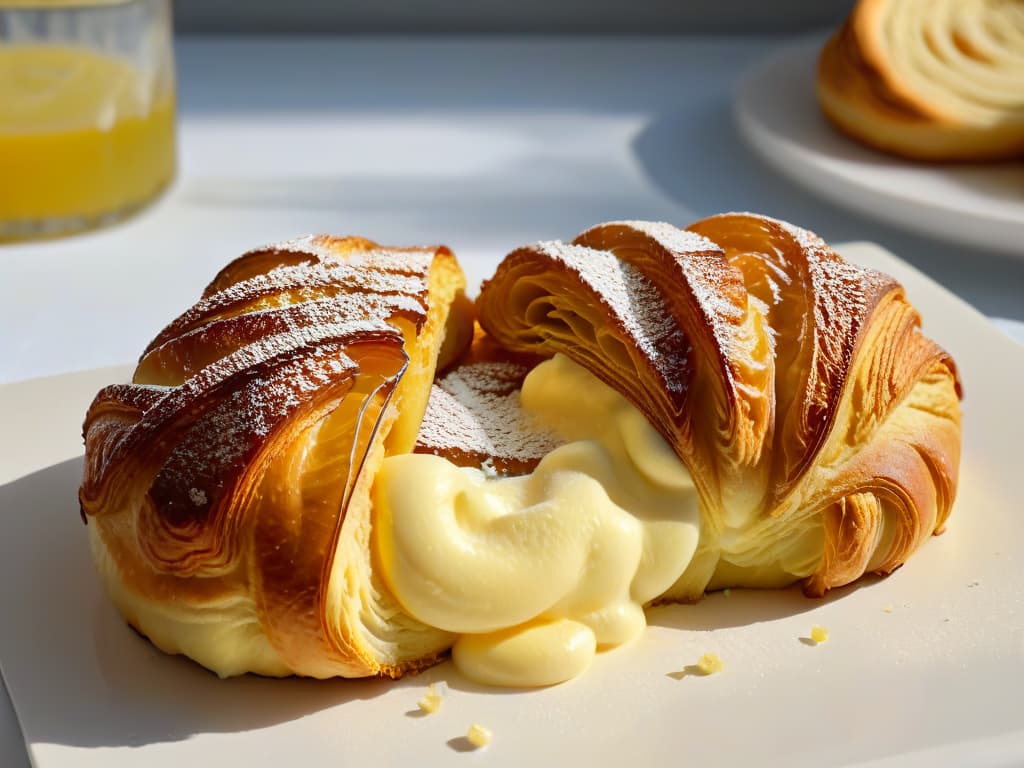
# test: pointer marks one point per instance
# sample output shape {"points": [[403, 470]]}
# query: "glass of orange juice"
{"points": [[86, 112]]}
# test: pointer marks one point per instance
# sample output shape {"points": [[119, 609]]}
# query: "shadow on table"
{"points": [[745, 607], [79, 676]]}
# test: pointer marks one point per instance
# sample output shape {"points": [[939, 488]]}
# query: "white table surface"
{"points": [[482, 144]]}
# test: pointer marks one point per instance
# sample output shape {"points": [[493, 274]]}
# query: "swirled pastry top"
{"points": [[228, 484], [929, 79], [781, 371]]}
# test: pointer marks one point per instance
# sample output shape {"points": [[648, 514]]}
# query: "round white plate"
{"points": [[1012, 328], [778, 114]]}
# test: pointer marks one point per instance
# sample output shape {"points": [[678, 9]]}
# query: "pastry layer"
{"points": [[776, 372], [227, 488], [288, 487]]}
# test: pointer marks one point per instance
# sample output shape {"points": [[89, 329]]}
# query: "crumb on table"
{"points": [[478, 736], [431, 701], [819, 634], [709, 663]]}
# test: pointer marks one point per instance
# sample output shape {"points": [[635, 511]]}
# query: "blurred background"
{"points": [[479, 124], [659, 17]]}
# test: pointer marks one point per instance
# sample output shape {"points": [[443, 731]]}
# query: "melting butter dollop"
{"points": [[536, 573]]}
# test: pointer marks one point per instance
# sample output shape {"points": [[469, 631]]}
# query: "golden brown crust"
{"points": [[225, 471], [807, 397], [928, 80], [231, 481], [705, 296], [822, 302]]}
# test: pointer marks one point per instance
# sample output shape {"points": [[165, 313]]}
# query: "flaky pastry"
{"points": [[245, 493], [227, 487], [821, 427]]}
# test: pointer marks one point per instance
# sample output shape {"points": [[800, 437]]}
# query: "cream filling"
{"points": [[536, 573]]}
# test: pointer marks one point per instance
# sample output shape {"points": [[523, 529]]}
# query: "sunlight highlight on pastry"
{"points": [[335, 464]]}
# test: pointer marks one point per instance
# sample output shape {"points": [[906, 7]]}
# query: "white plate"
{"points": [[779, 116], [1012, 328], [935, 682]]}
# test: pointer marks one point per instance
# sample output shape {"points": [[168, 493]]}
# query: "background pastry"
{"points": [[726, 406], [929, 79]]}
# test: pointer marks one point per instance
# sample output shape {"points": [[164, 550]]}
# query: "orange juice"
{"points": [[82, 135]]}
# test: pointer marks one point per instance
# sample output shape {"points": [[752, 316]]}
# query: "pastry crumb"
{"points": [[431, 701], [709, 664], [887, 609], [478, 736], [819, 634]]}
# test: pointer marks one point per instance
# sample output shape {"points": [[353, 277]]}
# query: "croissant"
{"points": [[227, 487], [929, 79], [821, 428], [325, 468]]}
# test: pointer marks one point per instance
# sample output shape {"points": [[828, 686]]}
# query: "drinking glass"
{"points": [[86, 112]]}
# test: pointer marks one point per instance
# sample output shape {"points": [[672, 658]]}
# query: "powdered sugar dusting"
{"points": [[209, 461], [308, 278], [840, 298], [634, 301], [475, 418], [701, 288], [702, 269], [375, 273], [177, 407], [229, 333], [844, 295], [669, 236], [139, 396], [265, 349], [322, 248], [253, 355]]}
